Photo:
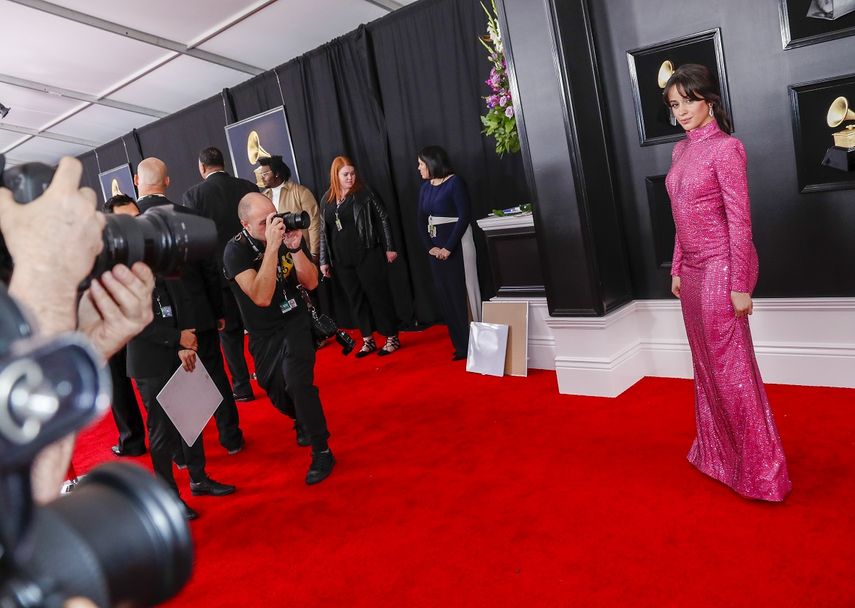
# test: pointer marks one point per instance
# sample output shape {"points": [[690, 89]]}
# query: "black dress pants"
{"points": [[368, 292], [232, 340], [450, 279], [285, 366], [126, 410], [226, 414], [164, 439]]}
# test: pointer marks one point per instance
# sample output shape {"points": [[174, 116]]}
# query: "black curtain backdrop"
{"points": [[178, 139], [89, 178], [377, 94], [430, 71]]}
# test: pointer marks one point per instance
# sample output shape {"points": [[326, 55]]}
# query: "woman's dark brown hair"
{"points": [[696, 82]]}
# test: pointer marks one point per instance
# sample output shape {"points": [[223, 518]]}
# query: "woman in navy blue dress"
{"points": [[444, 214]]}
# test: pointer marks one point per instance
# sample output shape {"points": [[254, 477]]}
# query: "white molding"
{"points": [[806, 341], [523, 220]]}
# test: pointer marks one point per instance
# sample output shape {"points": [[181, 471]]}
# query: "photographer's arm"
{"points": [[307, 272], [260, 286]]}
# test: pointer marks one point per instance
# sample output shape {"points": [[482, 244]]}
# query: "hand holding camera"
{"points": [[53, 241]]}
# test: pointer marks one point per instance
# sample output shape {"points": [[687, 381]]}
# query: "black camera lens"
{"points": [[295, 221], [119, 539], [165, 238]]}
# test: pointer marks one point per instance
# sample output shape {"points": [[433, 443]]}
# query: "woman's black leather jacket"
{"points": [[372, 223]]}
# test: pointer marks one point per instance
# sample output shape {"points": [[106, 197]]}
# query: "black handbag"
{"points": [[324, 326]]}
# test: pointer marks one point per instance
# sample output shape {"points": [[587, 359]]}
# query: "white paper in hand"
{"points": [[190, 399]]}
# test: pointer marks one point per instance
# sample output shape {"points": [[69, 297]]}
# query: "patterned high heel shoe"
{"points": [[368, 347], [392, 344]]}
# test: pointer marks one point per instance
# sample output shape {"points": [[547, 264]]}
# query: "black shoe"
{"points": [[118, 451], [392, 344], [368, 347], [302, 437], [237, 448], [321, 467], [209, 487], [243, 397], [457, 357], [189, 514]]}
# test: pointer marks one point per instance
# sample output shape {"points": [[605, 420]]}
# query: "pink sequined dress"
{"points": [[737, 441]]}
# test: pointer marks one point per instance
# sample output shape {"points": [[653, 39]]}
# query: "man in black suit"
{"points": [[217, 198], [156, 352], [203, 285]]}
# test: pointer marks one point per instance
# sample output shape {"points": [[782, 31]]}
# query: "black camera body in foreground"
{"points": [[164, 238]]}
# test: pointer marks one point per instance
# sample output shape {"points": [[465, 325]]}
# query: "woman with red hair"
{"points": [[357, 242]]}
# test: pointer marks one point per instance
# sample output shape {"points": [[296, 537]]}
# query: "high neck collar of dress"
{"points": [[702, 133]]}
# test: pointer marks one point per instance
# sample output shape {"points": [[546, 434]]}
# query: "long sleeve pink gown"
{"points": [[737, 441]]}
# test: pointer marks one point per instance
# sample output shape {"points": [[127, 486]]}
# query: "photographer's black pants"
{"points": [[226, 414], [368, 292], [126, 410], [285, 367], [232, 340], [164, 439]]}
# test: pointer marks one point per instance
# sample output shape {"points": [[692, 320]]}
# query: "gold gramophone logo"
{"points": [[114, 187], [254, 151], [838, 113], [662, 77], [665, 71]]}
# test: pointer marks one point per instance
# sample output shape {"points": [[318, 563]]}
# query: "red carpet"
{"points": [[459, 490]]}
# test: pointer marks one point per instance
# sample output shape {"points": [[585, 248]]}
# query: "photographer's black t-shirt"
{"points": [[239, 256]]}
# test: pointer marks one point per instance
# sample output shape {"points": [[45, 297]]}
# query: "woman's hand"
{"points": [[675, 286], [325, 270], [391, 256], [443, 254], [188, 359], [433, 251], [742, 304]]}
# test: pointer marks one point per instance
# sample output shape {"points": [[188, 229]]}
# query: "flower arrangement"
{"points": [[500, 121]]}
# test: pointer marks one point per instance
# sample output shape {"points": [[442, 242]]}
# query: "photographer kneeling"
{"points": [[266, 264]]}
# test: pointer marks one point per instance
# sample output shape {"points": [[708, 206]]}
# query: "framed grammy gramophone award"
{"points": [[823, 114], [264, 134], [810, 21], [118, 180], [651, 66]]}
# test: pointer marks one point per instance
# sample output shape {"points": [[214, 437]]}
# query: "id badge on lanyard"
{"points": [[338, 225], [165, 311]]}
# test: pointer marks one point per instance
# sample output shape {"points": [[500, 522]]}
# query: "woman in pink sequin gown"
{"points": [[714, 272]]}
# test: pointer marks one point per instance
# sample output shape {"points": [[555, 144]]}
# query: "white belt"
{"points": [[434, 221]]}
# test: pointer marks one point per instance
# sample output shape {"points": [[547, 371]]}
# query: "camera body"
{"points": [[295, 221]]}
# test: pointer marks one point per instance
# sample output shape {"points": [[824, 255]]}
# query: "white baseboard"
{"points": [[805, 341]]}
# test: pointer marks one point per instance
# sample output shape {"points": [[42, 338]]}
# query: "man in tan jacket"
{"points": [[290, 197]]}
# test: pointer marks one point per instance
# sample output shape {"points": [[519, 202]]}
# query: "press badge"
{"points": [[338, 225], [287, 306]]}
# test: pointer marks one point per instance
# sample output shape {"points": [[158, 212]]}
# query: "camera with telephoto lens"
{"points": [[295, 221], [120, 538], [164, 238]]}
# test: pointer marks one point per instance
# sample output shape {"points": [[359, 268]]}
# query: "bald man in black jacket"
{"points": [[217, 198]]}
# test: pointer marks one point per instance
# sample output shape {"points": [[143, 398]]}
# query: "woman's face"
{"points": [[346, 178], [690, 113], [423, 170]]}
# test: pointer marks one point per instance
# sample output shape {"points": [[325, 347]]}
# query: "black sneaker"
{"points": [[302, 437], [321, 467]]}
